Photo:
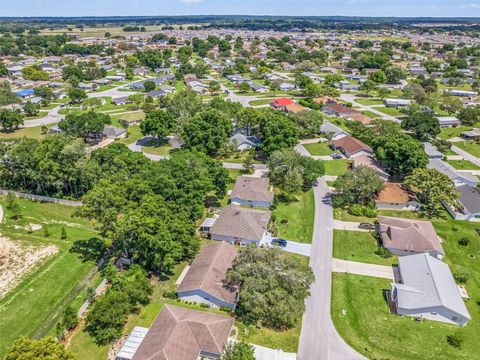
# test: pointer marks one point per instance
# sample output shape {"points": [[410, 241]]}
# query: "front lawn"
{"points": [[319, 149], [463, 165], [295, 220], [336, 167], [370, 114], [372, 330], [471, 147], [369, 101], [450, 132], [389, 111], [358, 246], [33, 307], [30, 132], [259, 102], [157, 147]]}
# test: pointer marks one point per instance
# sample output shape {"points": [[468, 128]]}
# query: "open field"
{"points": [[31, 132], [369, 101], [33, 307], [295, 220], [358, 246]]}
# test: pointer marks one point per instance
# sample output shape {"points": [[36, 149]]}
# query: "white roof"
{"points": [[132, 343], [428, 282]]}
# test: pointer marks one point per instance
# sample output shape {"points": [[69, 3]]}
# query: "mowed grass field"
{"points": [[35, 305], [373, 331]]}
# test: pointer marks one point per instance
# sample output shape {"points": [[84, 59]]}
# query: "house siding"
{"points": [[233, 240], [438, 313], [201, 297], [412, 205]]}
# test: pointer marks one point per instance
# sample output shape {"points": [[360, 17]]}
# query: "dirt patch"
{"points": [[29, 227], [17, 259]]}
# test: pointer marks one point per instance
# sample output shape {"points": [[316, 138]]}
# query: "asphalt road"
{"points": [[466, 155], [319, 339], [351, 98]]}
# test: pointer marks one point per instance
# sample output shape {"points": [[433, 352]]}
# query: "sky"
{"points": [[400, 8]]}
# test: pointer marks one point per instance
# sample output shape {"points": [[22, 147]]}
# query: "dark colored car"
{"points": [[366, 226], [336, 156], [279, 242]]}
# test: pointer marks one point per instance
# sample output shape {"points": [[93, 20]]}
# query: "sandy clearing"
{"points": [[17, 259]]}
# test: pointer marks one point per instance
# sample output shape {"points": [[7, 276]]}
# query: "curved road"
{"points": [[351, 98], [319, 340]]}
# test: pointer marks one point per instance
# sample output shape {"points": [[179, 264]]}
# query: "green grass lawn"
{"points": [[358, 246], [34, 306], [463, 165], [239, 158], [389, 111], [295, 220], [370, 114], [31, 132], [260, 102], [40, 114], [450, 132], [372, 330], [369, 102], [134, 134], [318, 149], [471, 147], [336, 167], [368, 325], [157, 147]]}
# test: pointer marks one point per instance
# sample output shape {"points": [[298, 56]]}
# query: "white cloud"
{"points": [[470, 6]]}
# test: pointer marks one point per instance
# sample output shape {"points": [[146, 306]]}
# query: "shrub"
{"points": [[383, 253], [226, 309], [455, 341], [170, 294], [63, 235], [359, 210], [46, 233], [202, 305], [461, 277], [464, 241]]}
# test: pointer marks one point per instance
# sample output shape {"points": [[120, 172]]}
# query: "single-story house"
{"points": [[471, 135], [396, 196], [121, 100], [238, 225], [351, 146], [427, 289], [364, 119], [346, 86], [280, 103], [284, 86], [258, 88], [463, 93], [448, 121], [179, 333], [87, 86], [328, 128], [294, 108], [25, 93], [157, 93], [338, 110], [397, 102], [372, 163], [112, 132], [432, 151], [407, 236], [469, 201], [206, 280], [115, 77], [458, 178], [252, 191], [138, 86], [244, 142]]}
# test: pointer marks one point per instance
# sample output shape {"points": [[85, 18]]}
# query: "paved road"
{"points": [[358, 268], [319, 339], [466, 155], [351, 98], [113, 93], [53, 117]]}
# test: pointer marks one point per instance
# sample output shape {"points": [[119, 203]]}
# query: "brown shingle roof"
{"points": [[364, 119], [406, 234], [252, 189], [395, 193], [182, 334], [208, 271], [351, 145], [242, 223], [294, 108]]}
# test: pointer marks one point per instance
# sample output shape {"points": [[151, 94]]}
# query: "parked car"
{"points": [[279, 242], [336, 156], [366, 226]]}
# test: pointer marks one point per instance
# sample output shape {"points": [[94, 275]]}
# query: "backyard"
{"points": [[38, 297], [319, 149], [295, 220]]}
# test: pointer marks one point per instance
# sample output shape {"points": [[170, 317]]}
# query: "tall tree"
{"points": [[424, 125], [277, 132], [158, 123], [358, 186], [432, 187], [40, 349]]}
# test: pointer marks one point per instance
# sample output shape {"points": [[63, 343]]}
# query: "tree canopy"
{"points": [[277, 132], [358, 186], [40, 349]]}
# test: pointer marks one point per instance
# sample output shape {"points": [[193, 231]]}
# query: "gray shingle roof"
{"points": [[252, 189], [450, 171], [428, 282], [469, 198]]}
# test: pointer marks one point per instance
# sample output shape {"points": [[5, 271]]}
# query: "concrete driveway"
{"points": [[292, 246], [358, 268], [319, 340], [347, 225]]}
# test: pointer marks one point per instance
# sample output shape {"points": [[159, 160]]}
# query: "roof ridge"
{"points": [[427, 260]]}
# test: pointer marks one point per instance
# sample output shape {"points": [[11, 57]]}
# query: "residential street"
{"points": [[53, 117], [351, 98], [319, 339]]}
